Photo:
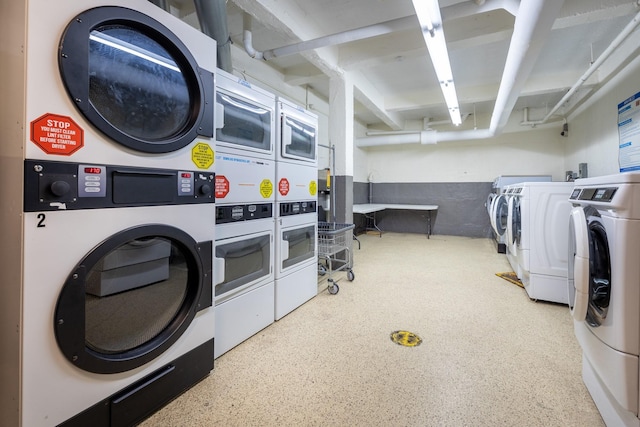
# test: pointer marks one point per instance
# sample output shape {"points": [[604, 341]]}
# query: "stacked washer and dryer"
{"points": [[537, 225], [245, 227], [296, 207], [604, 291], [106, 262]]}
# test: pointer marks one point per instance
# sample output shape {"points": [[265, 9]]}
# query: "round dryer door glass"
{"points": [[136, 85], [135, 80], [131, 298]]}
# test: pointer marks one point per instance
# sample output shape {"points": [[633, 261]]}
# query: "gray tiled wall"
{"points": [[461, 210]]}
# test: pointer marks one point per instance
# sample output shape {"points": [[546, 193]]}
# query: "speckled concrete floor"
{"points": [[489, 356]]}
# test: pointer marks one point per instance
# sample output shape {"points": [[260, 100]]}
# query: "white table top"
{"points": [[375, 207]]}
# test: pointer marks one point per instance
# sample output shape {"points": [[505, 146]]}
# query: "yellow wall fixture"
{"points": [[428, 13]]}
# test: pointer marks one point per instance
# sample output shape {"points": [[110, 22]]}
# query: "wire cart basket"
{"points": [[334, 252]]}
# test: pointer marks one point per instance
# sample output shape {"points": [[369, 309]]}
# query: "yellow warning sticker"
{"points": [[266, 188], [313, 188], [202, 155], [406, 338]]}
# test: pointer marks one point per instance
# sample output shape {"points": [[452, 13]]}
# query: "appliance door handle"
{"points": [[219, 115], [286, 132], [580, 265], [218, 274], [284, 249]]}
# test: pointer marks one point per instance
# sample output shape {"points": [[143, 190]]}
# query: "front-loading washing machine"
{"points": [[604, 291], [498, 187], [244, 249], [296, 261], [538, 229], [107, 125]]}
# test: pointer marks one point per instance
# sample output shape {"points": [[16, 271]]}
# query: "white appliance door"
{"points": [[298, 136], [499, 215], [297, 245], [242, 262], [135, 80], [578, 265], [243, 123]]}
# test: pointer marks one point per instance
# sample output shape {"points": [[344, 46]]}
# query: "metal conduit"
{"points": [[212, 15]]}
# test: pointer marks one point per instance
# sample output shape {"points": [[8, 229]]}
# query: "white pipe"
{"points": [[247, 37], [387, 27], [418, 137], [533, 24], [408, 22], [630, 27]]}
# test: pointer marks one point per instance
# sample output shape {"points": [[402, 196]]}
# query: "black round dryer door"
{"points": [[135, 80], [599, 269], [132, 297]]}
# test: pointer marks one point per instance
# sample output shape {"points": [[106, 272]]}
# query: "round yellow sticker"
{"points": [[313, 188], [406, 338], [202, 155], [266, 188]]}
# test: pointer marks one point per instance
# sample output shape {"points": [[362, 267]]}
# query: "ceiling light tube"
{"points": [[428, 13]]}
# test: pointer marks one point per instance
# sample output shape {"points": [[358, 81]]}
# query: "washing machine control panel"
{"points": [[61, 185], [295, 208], [235, 213]]}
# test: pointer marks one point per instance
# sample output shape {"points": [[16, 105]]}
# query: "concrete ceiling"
{"points": [[395, 85]]}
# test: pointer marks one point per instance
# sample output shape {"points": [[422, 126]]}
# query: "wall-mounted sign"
{"points": [[629, 133]]}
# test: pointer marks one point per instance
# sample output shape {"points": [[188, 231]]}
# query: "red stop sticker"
{"points": [[283, 186], [222, 187], [56, 134]]}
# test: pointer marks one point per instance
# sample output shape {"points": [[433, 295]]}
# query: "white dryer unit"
{"points": [[123, 84], [296, 270], [539, 228], [117, 315], [107, 301], [245, 118], [604, 291], [297, 134]]}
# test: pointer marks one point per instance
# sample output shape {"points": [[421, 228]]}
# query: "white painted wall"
{"points": [[593, 129], [535, 152]]}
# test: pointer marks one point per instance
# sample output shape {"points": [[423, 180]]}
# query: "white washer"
{"points": [[498, 187], [604, 291], [296, 271], [244, 253], [296, 278], [107, 304], [538, 227]]}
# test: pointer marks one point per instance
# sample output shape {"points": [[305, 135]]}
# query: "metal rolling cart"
{"points": [[334, 252]]}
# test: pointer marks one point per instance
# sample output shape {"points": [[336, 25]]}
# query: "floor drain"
{"points": [[406, 338]]}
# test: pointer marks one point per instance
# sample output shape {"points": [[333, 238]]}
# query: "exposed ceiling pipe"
{"points": [[212, 15], [162, 4], [400, 24], [626, 32], [533, 24]]}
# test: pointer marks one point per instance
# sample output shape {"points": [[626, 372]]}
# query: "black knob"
{"points": [[60, 188], [205, 189]]}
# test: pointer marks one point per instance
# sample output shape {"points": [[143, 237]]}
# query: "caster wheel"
{"points": [[333, 288], [350, 275]]}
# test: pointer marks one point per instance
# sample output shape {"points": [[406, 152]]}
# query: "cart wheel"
{"points": [[350, 275], [333, 287], [322, 270]]}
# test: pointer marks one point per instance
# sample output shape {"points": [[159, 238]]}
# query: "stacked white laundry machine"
{"points": [[245, 195], [296, 207], [107, 130]]}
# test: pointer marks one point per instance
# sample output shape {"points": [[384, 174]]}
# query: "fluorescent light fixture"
{"points": [[428, 13]]}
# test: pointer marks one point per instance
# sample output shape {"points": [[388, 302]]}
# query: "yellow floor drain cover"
{"points": [[406, 338]]}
